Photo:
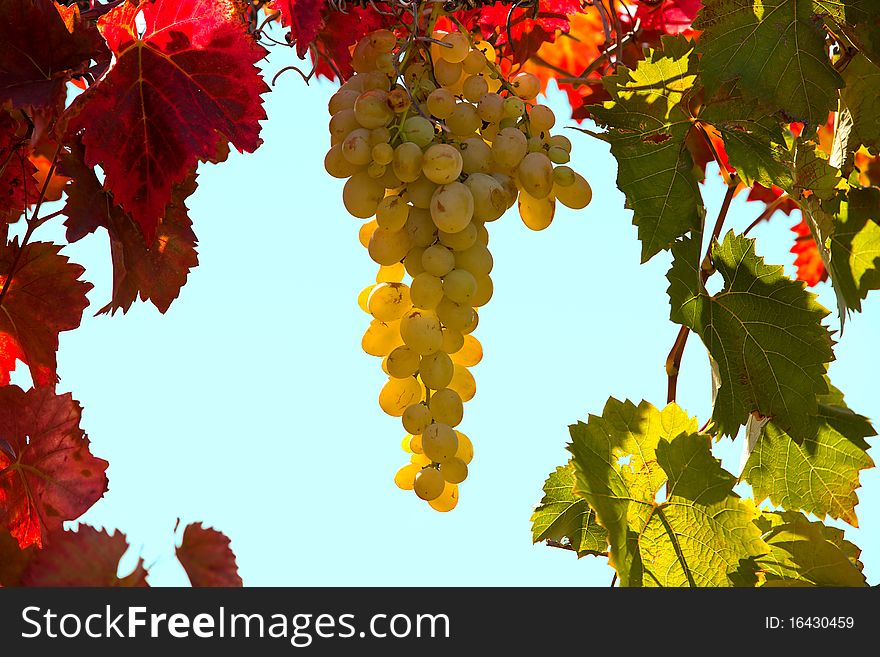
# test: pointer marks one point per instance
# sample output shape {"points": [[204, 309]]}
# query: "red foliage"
{"points": [[304, 19], [207, 558], [47, 472], [669, 16], [810, 267], [43, 298], [18, 189], [174, 94]]}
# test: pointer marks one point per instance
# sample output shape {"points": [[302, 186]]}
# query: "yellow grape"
{"points": [[463, 239], [441, 103], [558, 155], [509, 148], [363, 296], [490, 108], [526, 85], [474, 62], [406, 476], [541, 119], [420, 191], [509, 185], [438, 260], [415, 444], [472, 323], [447, 408], [512, 108], [476, 156], [447, 500], [361, 195], [421, 331], [484, 291], [429, 484], [560, 141], [436, 371], [371, 109], [341, 100], [454, 315], [477, 260], [452, 207], [397, 394], [390, 273], [376, 170], [382, 153], [453, 341], [341, 124], [421, 228], [490, 198], [439, 442], [474, 88], [366, 232], [418, 130], [413, 261], [402, 362], [577, 195], [464, 120], [446, 73], [381, 337], [454, 470], [407, 163], [482, 234], [463, 383], [420, 460], [470, 354], [536, 213], [392, 212], [465, 450], [563, 177], [416, 418], [442, 164], [426, 291], [406, 444], [336, 165], [389, 246], [388, 301], [459, 285], [536, 175], [458, 47], [399, 100]]}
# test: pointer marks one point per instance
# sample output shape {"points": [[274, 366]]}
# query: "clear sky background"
{"points": [[250, 405]]}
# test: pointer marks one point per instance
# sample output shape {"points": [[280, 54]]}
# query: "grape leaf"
{"points": [[563, 519], [805, 553], [668, 16], [763, 330], [819, 476], [304, 19], [156, 273], [86, 557], [861, 105], [648, 122], [47, 472], [776, 49], [855, 246], [43, 298], [339, 33], [702, 534], [858, 20], [18, 189], [34, 69], [207, 557], [177, 92], [13, 560]]}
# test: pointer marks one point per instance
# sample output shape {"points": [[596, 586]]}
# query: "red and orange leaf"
{"points": [[43, 298], [155, 273], [39, 54], [303, 17], [668, 16], [172, 96], [340, 32], [86, 557], [810, 267], [47, 472], [18, 189], [207, 557], [572, 51], [529, 29]]}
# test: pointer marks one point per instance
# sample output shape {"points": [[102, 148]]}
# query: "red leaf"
{"points": [[207, 557], [760, 193], [668, 17], [47, 473], [340, 32], [530, 29], [40, 53], [86, 557], [810, 267], [155, 273], [174, 94], [304, 19], [44, 297], [18, 189]]}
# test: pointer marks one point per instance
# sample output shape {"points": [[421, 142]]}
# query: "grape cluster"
{"points": [[434, 144]]}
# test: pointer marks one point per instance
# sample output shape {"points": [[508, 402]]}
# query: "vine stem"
{"points": [[32, 224], [707, 268], [768, 212]]}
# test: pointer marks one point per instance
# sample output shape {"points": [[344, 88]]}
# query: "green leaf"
{"points": [[862, 102], [858, 20], [702, 534], [819, 476], [805, 553], [648, 122], [763, 330], [565, 520], [855, 246], [776, 49], [752, 135]]}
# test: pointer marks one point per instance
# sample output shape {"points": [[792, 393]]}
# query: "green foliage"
{"points": [[565, 520], [762, 329]]}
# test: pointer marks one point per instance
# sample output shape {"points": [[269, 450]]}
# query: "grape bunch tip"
{"points": [[434, 144]]}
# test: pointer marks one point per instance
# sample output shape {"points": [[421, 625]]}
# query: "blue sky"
{"points": [[250, 405]]}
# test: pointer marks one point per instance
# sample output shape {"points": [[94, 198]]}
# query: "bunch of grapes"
{"points": [[435, 145]]}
